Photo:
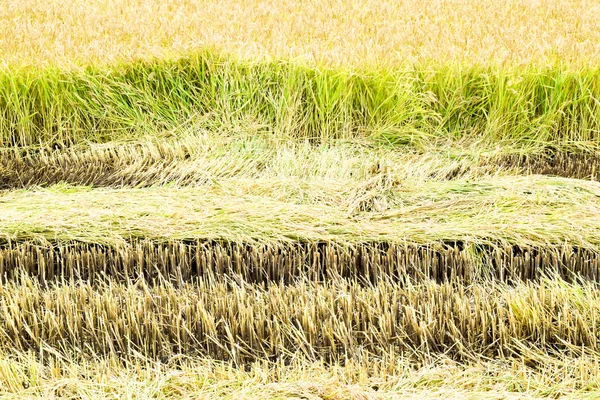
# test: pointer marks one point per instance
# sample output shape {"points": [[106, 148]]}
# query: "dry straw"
{"points": [[191, 157], [514, 210], [369, 263], [333, 321], [23, 375]]}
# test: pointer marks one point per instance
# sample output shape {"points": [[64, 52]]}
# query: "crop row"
{"points": [[179, 262], [419, 107], [331, 321]]}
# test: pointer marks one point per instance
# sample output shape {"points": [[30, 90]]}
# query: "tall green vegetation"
{"points": [[533, 109]]}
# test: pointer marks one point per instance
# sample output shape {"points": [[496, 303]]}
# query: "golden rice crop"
{"points": [[63, 32]]}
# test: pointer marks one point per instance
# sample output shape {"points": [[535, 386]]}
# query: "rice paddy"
{"points": [[337, 33], [351, 199]]}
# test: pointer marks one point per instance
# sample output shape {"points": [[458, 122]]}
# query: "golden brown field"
{"points": [[359, 32], [317, 200]]}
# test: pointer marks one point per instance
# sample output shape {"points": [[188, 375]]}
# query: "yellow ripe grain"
{"points": [[66, 32]]}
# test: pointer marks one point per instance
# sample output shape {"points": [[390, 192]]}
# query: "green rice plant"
{"points": [[529, 110]]}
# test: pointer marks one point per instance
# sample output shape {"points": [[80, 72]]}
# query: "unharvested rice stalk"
{"points": [[418, 106], [215, 261], [332, 321], [387, 32]]}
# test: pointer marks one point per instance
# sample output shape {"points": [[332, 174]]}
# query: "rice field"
{"points": [[335, 32], [321, 200]]}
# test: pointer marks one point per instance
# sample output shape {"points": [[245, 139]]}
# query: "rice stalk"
{"points": [[333, 321], [25, 375], [420, 107], [357, 33], [201, 158], [216, 261]]}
